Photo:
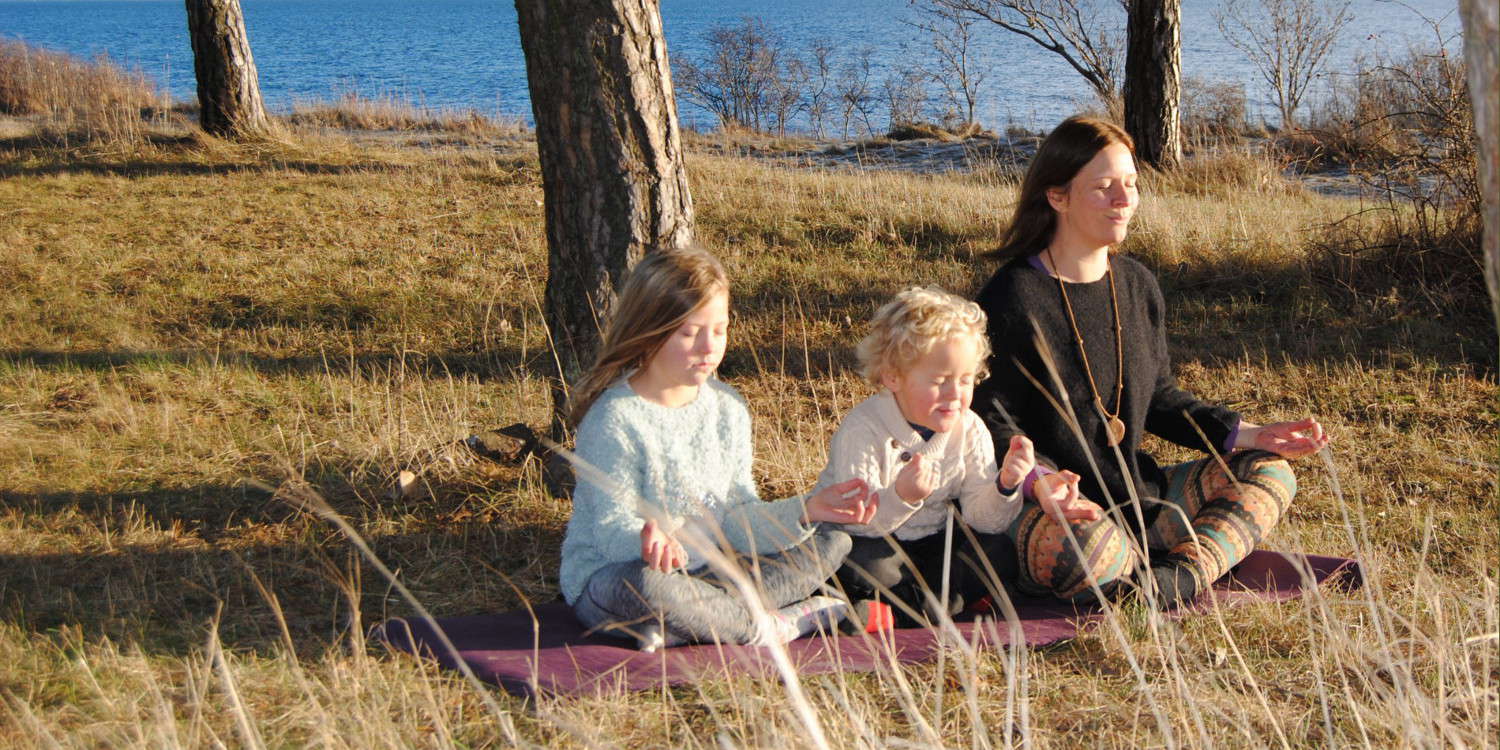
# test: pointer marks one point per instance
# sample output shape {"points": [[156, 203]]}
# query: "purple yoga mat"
{"points": [[545, 649]]}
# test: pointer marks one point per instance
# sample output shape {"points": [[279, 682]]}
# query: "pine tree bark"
{"points": [[1481, 20], [1153, 85], [611, 157], [228, 88]]}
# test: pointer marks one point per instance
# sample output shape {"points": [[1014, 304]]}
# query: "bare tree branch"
{"points": [[1078, 31], [1286, 40]]}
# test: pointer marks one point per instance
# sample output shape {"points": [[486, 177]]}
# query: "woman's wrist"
{"points": [[1243, 435], [1028, 485]]}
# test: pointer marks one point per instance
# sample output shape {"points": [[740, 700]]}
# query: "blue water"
{"points": [[466, 54]]}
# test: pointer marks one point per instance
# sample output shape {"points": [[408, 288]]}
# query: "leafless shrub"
{"points": [[856, 95], [955, 67], [1405, 128], [1286, 40], [820, 93], [747, 77], [905, 94], [1213, 112]]}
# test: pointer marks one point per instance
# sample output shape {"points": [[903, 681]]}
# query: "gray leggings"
{"points": [[697, 606]]}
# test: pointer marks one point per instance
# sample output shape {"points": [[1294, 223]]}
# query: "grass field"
{"points": [[188, 325]]}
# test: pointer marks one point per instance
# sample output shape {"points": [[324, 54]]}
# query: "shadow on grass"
{"points": [[1223, 312], [499, 362], [204, 511], [1218, 313], [154, 168], [163, 595], [180, 155]]}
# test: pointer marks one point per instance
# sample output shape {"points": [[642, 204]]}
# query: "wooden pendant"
{"points": [[1116, 430]]}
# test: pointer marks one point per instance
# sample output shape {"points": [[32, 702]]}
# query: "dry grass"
{"points": [[182, 325], [92, 108], [77, 100], [351, 111]]}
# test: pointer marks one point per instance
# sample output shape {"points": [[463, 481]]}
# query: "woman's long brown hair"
{"points": [[1064, 152], [663, 289]]}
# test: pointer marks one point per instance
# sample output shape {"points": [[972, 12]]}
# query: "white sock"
{"points": [[650, 636], [803, 618]]}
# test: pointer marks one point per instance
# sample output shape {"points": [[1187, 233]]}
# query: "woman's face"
{"points": [[1095, 207], [691, 353]]}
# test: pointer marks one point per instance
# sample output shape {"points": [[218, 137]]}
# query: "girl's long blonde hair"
{"points": [[663, 289]]}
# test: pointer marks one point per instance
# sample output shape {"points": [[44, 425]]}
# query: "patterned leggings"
{"points": [[1227, 516]]}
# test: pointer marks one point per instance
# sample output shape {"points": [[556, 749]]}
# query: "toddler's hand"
{"points": [[1058, 495], [850, 501], [661, 552], [1019, 460], [916, 480]]}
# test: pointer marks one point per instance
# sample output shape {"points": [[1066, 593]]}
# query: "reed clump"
{"points": [[75, 99], [353, 111]]}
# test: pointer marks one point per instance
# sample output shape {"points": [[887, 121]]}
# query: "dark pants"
{"points": [[875, 569]]}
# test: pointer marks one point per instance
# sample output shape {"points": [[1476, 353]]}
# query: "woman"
{"points": [[1061, 302]]}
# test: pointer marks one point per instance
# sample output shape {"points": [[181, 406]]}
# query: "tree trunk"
{"points": [[1482, 55], [228, 88], [1153, 87], [611, 159]]}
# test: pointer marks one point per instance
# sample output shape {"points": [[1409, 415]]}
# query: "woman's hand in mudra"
{"points": [[1286, 439], [1057, 493]]}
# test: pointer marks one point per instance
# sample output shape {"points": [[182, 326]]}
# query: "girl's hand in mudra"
{"points": [[849, 501], [661, 552], [1286, 439], [1058, 495]]}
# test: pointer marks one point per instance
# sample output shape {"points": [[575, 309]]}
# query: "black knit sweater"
{"points": [[1022, 301]]}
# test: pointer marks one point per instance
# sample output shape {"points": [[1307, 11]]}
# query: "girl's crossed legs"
{"points": [[697, 605]]}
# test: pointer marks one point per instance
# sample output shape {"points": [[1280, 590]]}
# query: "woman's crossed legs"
{"points": [[1212, 521]]}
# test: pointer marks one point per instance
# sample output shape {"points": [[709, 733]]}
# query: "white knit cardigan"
{"points": [[871, 443]]}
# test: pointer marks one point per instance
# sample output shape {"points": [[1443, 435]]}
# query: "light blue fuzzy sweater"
{"points": [[686, 463]]}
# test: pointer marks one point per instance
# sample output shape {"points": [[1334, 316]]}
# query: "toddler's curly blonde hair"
{"points": [[911, 324]]}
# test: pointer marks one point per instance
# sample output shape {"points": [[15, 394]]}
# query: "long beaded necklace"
{"points": [[1115, 427]]}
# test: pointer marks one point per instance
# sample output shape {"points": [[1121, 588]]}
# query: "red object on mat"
{"points": [[545, 649], [879, 618]]}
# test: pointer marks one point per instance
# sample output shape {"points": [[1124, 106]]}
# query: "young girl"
{"points": [[920, 450], [667, 450], [1063, 302]]}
